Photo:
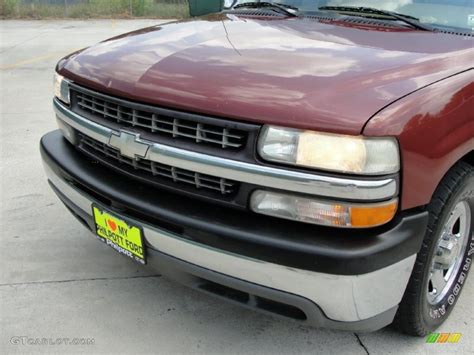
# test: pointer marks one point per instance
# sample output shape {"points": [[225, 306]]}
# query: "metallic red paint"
{"points": [[292, 72], [435, 128], [306, 74]]}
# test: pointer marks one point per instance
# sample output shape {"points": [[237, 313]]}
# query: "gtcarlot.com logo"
{"points": [[440, 338], [26, 340]]}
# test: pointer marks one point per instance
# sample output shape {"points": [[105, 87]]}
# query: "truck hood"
{"points": [[299, 73]]}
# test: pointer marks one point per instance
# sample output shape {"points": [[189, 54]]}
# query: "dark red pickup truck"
{"points": [[310, 159]]}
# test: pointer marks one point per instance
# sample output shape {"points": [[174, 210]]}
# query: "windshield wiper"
{"points": [[410, 20], [282, 8]]}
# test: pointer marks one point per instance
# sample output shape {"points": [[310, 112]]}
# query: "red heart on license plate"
{"points": [[112, 225]]}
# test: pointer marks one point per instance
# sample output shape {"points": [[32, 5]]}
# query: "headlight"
{"points": [[331, 152], [61, 88], [334, 214]]}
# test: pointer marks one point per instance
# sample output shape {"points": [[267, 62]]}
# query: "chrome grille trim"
{"points": [[149, 120], [102, 152], [347, 188]]}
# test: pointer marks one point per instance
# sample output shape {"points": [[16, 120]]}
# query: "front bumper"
{"points": [[356, 284]]}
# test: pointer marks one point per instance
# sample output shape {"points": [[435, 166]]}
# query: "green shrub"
{"points": [[7, 7], [94, 9]]}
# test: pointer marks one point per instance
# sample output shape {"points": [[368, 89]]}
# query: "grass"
{"points": [[41, 9]]}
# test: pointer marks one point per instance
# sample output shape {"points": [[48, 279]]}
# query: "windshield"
{"points": [[446, 13]]}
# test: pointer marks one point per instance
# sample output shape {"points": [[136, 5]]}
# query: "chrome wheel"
{"points": [[449, 252]]}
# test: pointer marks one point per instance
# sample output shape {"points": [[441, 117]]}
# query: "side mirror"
{"points": [[204, 7]]}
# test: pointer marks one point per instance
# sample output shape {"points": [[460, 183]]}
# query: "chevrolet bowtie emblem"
{"points": [[129, 144]]}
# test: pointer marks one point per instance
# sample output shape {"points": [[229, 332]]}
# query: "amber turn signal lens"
{"points": [[371, 216], [322, 212]]}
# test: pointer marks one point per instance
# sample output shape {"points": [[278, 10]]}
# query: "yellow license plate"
{"points": [[124, 237]]}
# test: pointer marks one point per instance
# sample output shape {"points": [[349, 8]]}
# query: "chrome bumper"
{"points": [[313, 184], [341, 298]]}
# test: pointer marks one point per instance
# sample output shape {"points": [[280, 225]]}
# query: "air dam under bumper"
{"points": [[363, 302]]}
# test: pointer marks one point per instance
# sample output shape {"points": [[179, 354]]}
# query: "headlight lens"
{"points": [[61, 88], [331, 152], [334, 214]]}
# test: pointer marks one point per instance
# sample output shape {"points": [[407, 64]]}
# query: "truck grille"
{"points": [[164, 122], [155, 172]]}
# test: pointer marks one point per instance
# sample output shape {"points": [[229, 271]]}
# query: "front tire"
{"points": [[445, 257]]}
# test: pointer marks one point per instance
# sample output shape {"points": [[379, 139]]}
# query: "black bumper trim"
{"points": [[298, 245], [243, 293]]}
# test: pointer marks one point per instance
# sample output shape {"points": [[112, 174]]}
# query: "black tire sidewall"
{"points": [[434, 315]]}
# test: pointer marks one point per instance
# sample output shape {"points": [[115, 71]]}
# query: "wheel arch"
{"points": [[469, 158]]}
